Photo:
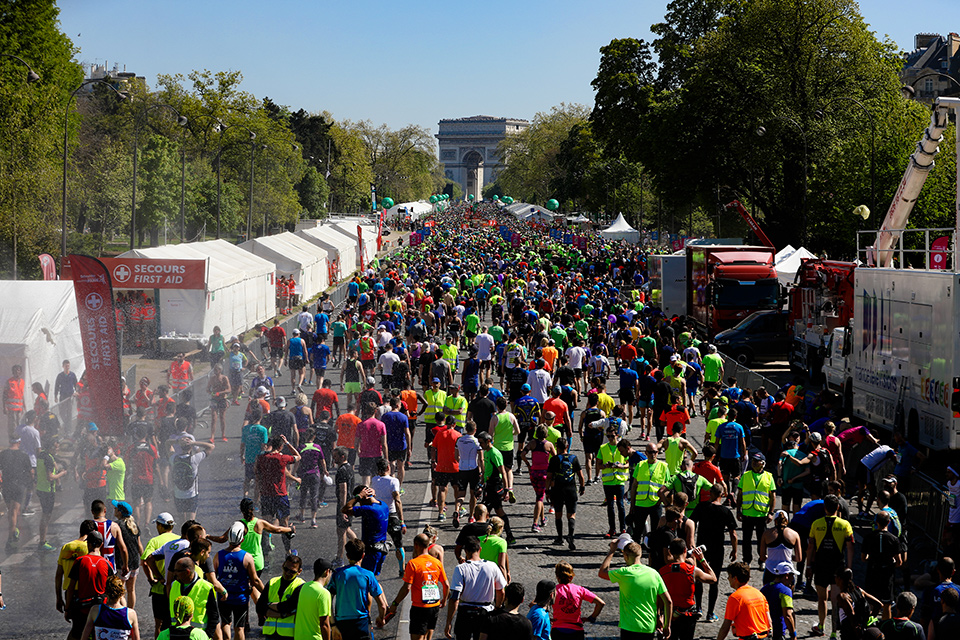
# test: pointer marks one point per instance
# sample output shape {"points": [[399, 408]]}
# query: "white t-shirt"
{"points": [[384, 488], [484, 342], [477, 582], [576, 355], [387, 361], [599, 364], [384, 338], [539, 381], [304, 320], [468, 446]]}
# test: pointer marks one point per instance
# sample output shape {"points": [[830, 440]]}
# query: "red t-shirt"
{"points": [[780, 412], [708, 471], [324, 399], [276, 336], [269, 469], [627, 353], [680, 581], [559, 409], [445, 441], [142, 457], [90, 574]]}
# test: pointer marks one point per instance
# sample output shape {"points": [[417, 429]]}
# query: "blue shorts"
{"points": [[644, 404], [372, 560], [274, 506]]}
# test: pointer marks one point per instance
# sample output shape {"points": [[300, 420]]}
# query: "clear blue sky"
{"points": [[404, 61]]}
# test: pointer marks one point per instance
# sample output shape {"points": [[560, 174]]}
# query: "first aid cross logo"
{"points": [[93, 301], [121, 273]]}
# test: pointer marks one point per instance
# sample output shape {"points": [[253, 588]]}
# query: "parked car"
{"points": [[760, 337]]}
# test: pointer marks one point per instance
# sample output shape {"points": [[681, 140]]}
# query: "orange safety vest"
{"points": [[84, 407], [126, 399], [15, 394], [179, 375], [149, 313], [120, 319], [136, 313]]}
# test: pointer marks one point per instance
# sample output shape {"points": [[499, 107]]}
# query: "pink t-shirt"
{"points": [[372, 432], [833, 444], [566, 606], [853, 435]]}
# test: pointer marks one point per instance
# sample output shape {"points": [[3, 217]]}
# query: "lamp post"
{"points": [[762, 131], [141, 119], [66, 114], [32, 76], [910, 89], [873, 144]]}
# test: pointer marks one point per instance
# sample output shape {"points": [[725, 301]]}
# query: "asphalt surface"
{"points": [[28, 576]]}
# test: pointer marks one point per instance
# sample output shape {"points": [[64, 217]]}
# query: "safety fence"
{"points": [[746, 378]]}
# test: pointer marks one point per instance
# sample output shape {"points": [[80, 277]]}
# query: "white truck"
{"points": [[668, 283]]}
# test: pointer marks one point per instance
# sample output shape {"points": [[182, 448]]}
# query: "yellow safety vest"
{"points": [[435, 401], [650, 479], [457, 407], [199, 593], [612, 476], [756, 493], [280, 626]]}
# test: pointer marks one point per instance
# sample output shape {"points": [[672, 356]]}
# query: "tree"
{"points": [[683, 26], [159, 188], [624, 94], [313, 192]]}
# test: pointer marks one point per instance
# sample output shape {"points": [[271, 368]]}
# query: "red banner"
{"points": [[153, 273], [91, 284], [938, 252], [362, 254], [48, 266]]}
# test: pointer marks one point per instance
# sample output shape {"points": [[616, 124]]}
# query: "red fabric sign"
{"points": [[938, 252], [98, 328], [361, 253], [152, 273], [48, 266]]}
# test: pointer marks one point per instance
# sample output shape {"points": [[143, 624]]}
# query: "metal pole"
{"points": [[133, 210], [183, 186], [218, 188], [266, 185], [250, 213]]}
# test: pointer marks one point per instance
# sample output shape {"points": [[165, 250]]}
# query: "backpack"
{"points": [[567, 474], [689, 486], [183, 476]]}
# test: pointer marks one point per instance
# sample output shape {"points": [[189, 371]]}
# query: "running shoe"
{"points": [[816, 630], [443, 516], [322, 505], [472, 520], [28, 512], [456, 519], [609, 534], [46, 546], [313, 525], [713, 618], [224, 439], [511, 542], [570, 544], [236, 401], [557, 541], [551, 511], [535, 529], [16, 535], [511, 498], [211, 440]]}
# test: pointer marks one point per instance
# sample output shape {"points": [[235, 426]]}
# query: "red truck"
{"points": [[726, 283], [821, 301]]}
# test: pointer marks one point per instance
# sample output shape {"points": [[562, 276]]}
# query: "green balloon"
{"points": [[387, 203], [433, 199], [552, 204], [470, 197], [496, 197]]}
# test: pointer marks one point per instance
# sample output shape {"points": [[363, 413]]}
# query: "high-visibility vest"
{"points": [[84, 407], [179, 375], [282, 627], [650, 479], [121, 320], [149, 313], [15, 394], [757, 488], [611, 476], [435, 403], [199, 593], [457, 407]]}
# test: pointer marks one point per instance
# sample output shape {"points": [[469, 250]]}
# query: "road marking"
{"points": [[403, 627]]}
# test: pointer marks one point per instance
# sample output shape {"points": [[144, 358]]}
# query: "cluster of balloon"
{"points": [[552, 204], [433, 199], [386, 203], [506, 200]]}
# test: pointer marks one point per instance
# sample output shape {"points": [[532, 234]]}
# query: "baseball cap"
{"points": [[557, 389], [724, 400], [674, 358], [321, 566], [296, 332], [165, 519], [779, 513], [281, 401], [525, 387], [437, 380], [785, 568], [123, 506], [758, 456], [623, 541], [371, 380], [262, 390], [92, 427], [235, 345], [816, 438]]}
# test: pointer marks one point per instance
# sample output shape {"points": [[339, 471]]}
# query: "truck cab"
{"points": [[761, 336]]}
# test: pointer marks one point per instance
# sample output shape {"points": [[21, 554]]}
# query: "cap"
{"points": [[321, 566], [816, 437], [296, 332], [123, 506], [281, 401], [165, 519], [92, 427], [437, 380], [14, 440], [485, 436], [237, 532], [758, 457], [724, 400], [557, 389], [712, 348], [785, 568], [235, 345], [262, 390], [890, 479], [623, 541], [371, 380], [779, 513], [525, 387]]}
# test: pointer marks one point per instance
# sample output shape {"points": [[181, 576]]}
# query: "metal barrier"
{"points": [[746, 378], [930, 504]]}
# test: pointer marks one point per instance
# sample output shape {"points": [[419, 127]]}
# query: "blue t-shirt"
{"points": [[396, 424], [647, 383], [321, 320], [540, 620], [471, 372], [233, 576], [729, 434], [628, 379], [777, 594], [254, 437], [319, 354], [374, 517], [807, 515], [353, 289], [351, 586]]}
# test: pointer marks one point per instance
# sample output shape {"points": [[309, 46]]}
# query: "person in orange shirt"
{"points": [[550, 354], [13, 400], [425, 579], [347, 432], [747, 610], [676, 414]]}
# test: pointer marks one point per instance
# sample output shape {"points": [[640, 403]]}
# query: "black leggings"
{"points": [[714, 558], [614, 496]]}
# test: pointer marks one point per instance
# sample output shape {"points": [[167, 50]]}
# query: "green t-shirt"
{"points": [[553, 434], [115, 475], [559, 336], [195, 634], [313, 604], [153, 544], [712, 425], [649, 347], [699, 483], [473, 323], [712, 367], [43, 481], [503, 433], [497, 332], [339, 328], [639, 588], [491, 547], [492, 460], [582, 327]]}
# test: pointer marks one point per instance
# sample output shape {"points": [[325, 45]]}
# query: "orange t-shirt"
{"points": [[549, 356], [409, 398], [445, 443], [347, 430], [427, 580], [559, 409], [748, 610]]}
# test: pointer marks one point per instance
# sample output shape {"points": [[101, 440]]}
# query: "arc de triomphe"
{"points": [[468, 149]]}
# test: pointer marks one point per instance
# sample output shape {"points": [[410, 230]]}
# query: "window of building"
{"points": [[928, 85]]}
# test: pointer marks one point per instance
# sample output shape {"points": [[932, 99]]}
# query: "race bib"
{"points": [[430, 593]]}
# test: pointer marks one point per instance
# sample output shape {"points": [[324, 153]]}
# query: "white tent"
{"points": [[293, 256], [340, 250], [39, 329], [538, 215], [620, 229], [578, 218], [523, 211], [240, 290], [787, 262], [413, 209], [349, 229]]}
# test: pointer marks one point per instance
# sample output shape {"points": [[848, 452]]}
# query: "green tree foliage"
{"points": [[403, 161], [624, 94], [533, 167], [313, 192], [158, 188]]}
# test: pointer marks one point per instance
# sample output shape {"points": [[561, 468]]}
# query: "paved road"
{"points": [[28, 575]]}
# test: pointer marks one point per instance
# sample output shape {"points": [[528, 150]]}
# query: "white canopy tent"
{"points": [[787, 261], [413, 209], [240, 290], [39, 329], [578, 218], [349, 229], [340, 250], [536, 214], [293, 256], [620, 229]]}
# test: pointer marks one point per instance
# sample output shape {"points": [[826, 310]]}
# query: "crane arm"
{"points": [[921, 162], [753, 224]]}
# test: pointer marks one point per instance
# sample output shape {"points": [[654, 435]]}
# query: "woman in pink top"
{"points": [[567, 623], [371, 443], [540, 453]]}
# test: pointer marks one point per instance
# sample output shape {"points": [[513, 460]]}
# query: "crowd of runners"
{"points": [[490, 360]]}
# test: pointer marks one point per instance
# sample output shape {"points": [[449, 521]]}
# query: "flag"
{"points": [[48, 266]]}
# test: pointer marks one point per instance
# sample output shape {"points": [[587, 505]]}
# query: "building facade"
{"points": [[933, 55], [468, 149]]}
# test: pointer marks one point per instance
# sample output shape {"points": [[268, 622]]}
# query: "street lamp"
{"points": [[141, 119], [911, 91], [762, 131], [873, 144], [66, 114], [32, 76]]}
